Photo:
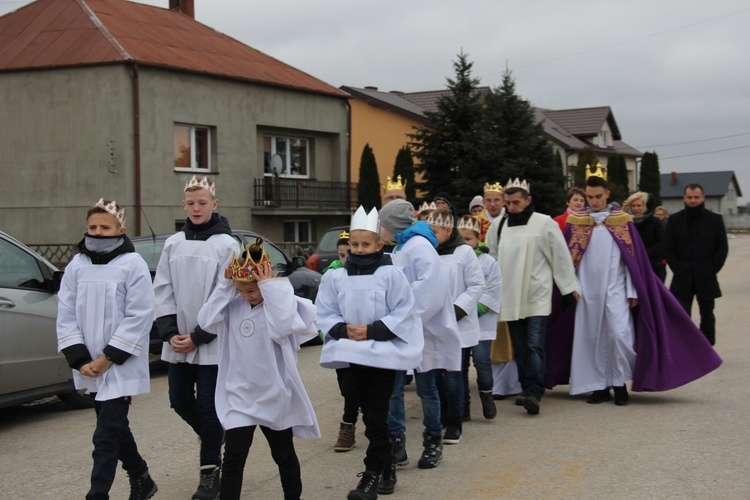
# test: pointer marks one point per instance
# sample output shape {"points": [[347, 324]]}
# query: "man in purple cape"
{"points": [[670, 350]]}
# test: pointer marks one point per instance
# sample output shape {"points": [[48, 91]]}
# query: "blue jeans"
{"points": [[113, 441], [451, 388], [428, 395], [527, 336], [482, 363], [191, 394]]}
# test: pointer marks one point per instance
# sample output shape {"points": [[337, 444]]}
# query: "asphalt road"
{"points": [[692, 442]]}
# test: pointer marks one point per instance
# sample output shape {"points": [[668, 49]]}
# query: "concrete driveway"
{"points": [[691, 442]]}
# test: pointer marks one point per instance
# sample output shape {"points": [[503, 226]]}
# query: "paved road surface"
{"points": [[692, 442]]}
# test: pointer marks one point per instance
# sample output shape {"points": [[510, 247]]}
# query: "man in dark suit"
{"points": [[695, 245]]}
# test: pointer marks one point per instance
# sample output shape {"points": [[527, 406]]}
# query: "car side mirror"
{"points": [[298, 262]]}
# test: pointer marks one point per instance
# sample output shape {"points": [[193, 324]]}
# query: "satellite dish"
{"points": [[277, 164]]}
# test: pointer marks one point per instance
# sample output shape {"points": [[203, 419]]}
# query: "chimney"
{"points": [[370, 87], [673, 178], [184, 6]]}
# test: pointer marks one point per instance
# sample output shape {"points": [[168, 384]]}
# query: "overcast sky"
{"points": [[673, 71]]}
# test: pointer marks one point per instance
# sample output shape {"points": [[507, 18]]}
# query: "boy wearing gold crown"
{"points": [[105, 312], [190, 266], [416, 255], [465, 281], [260, 324], [368, 314], [494, 207]]}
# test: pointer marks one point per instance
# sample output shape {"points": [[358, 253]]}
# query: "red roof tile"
{"points": [[60, 33]]}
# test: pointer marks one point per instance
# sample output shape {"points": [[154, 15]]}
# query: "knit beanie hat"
{"points": [[397, 215], [443, 196], [476, 201]]}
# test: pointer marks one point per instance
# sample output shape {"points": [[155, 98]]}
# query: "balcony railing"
{"points": [[281, 193]]}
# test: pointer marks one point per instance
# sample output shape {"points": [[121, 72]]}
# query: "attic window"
{"points": [[192, 147]]}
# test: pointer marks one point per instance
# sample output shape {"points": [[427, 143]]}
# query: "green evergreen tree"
{"points": [[650, 176], [368, 188], [405, 168], [449, 148], [617, 177], [513, 144], [585, 157]]}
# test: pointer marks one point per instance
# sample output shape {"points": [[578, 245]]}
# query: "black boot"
{"points": [[210, 483], [142, 487], [398, 450], [599, 397], [367, 489], [433, 450], [489, 410], [387, 480], [621, 396], [453, 431]]}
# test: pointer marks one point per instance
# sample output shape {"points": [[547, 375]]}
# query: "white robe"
{"points": [[108, 304], [383, 296], [187, 272], [466, 282], [603, 339], [530, 257], [505, 379], [491, 297], [258, 382], [423, 269]]}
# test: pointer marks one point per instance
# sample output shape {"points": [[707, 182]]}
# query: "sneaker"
{"points": [[520, 399], [398, 450], [345, 441], [433, 451], [489, 410], [621, 396], [601, 396], [387, 480], [142, 487], [467, 412], [452, 433], [367, 489], [531, 405], [210, 483]]}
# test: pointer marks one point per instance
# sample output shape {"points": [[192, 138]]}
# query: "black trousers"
{"points": [[706, 309], [236, 449], [346, 387], [374, 387], [113, 441]]}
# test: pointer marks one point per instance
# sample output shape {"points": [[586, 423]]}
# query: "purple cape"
{"points": [[670, 350]]}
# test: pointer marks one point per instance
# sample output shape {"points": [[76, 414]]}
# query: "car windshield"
{"points": [[328, 242], [150, 250]]}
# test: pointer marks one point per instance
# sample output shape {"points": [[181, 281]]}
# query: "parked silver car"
{"points": [[30, 367]]}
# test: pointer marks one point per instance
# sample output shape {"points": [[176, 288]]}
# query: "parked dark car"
{"points": [[30, 366], [326, 251], [304, 281]]}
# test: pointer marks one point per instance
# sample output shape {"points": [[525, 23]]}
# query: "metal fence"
{"points": [[277, 192], [59, 254]]}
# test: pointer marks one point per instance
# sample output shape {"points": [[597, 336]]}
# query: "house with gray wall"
{"points": [[126, 101], [720, 188]]}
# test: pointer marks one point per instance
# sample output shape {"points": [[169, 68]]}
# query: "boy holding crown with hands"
{"points": [[260, 324], [368, 315], [190, 266], [105, 312]]}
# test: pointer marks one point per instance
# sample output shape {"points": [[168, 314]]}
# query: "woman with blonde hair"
{"points": [[641, 206]]}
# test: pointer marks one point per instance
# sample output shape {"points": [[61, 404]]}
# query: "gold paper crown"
{"points": [[494, 187], [427, 206], [344, 235], [394, 185], [470, 223], [243, 271], [436, 218], [599, 172], [516, 183], [204, 182], [111, 208]]}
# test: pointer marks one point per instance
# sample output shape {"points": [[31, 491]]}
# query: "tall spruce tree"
{"points": [[368, 188], [405, 168], [514, 144], [585, 157], [617, 177], [650, 176], [449, 148]]}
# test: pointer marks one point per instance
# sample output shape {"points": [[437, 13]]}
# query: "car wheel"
{"points": [[78, 400]]}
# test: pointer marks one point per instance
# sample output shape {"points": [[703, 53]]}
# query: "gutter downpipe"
{"points": [[137, 147], [349, 154]]}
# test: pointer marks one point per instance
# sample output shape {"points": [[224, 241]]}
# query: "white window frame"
{"points": [[297, 223], [193, 163], [288, 138]]}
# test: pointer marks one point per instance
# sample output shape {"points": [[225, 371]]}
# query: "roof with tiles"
{"points": [[428, 100], [67, 33], [585, 121], [715, 184], [393, 101]]}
